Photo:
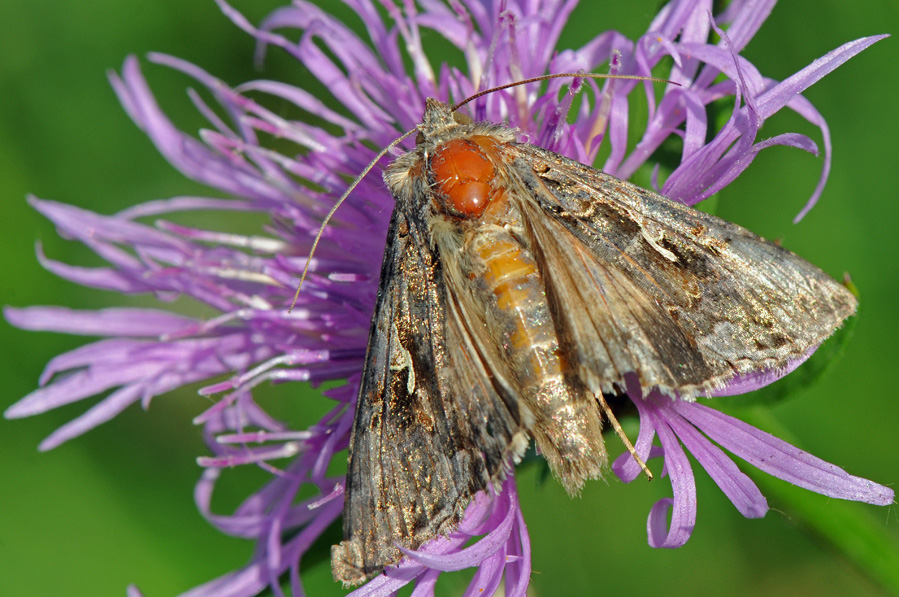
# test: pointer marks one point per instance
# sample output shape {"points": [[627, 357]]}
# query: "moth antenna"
{"points": [[560, 76], [350, 189], [399, 139], [627, 443]]}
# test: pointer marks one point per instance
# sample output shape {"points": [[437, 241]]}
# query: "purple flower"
{"points": [[249, 280]]}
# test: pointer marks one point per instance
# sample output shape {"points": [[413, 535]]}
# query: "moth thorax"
{"points": [[464, 175]]}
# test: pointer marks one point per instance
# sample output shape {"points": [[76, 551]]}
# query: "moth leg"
{"points": [[624, 439]]}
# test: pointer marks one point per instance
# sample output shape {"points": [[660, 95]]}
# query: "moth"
{"points": [[517, 287]]}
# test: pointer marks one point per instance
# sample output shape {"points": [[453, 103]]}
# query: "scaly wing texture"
{"points": [[430, 428], [641, 284]]}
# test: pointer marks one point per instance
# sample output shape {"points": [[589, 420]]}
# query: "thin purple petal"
{"points": [[738, 488], [778, 458], [105, 322], [683, 506]]}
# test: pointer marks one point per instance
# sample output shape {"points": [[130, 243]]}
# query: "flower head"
{"points": [[249, 280]]}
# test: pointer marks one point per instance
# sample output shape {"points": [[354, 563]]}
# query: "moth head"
{"points": [[434, 122], [438, 117]]}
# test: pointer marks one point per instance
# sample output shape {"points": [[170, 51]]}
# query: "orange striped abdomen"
{"points": [[508, 285], [513, 293]]}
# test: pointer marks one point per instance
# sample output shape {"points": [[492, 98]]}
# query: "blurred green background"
{"points": [[115, 506]]}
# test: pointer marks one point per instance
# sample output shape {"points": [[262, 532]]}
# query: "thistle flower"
{"points": [[249, 280]]}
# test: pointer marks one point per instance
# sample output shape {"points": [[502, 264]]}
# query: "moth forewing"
{"points": [[517, 287], [729, 303]]}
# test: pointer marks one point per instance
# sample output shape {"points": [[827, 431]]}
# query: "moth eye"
{"points": [[419, 138], [461, 118]]}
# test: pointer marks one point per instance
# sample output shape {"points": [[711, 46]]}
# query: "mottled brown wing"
{"points": [[431, 429], [641, 284]]}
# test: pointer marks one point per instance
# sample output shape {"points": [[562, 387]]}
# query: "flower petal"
{"points": [[683, 506], [738, 487], [778, 458]]}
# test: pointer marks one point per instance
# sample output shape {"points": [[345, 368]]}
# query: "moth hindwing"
{"points": [[518, 286]]}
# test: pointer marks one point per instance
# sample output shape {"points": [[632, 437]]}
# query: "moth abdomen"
{"points": [[506, 283]]}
